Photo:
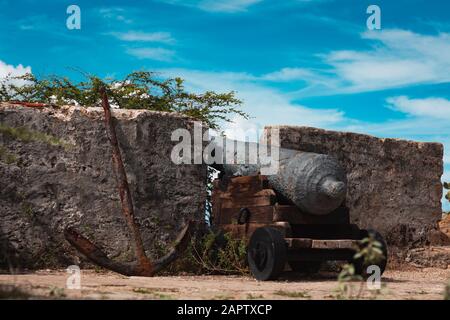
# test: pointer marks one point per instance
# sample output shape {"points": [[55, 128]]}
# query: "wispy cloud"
{"points": [[289, 74], [36, 22], [153, 53], [159, 54], [13, 71], [397, 58], [436, 108], [137, 36], [226, 6], [116, 14]]}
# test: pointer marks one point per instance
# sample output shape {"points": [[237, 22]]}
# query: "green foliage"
{"points": [[26, 135], [348, 273], [213, 253], [12, 292], [56, 292], [345, 289], [232, 257], [254, 297], [154, 293], [292, 294], [138, 90], [370, 251], [447, 187], [6, 156], [447, 292], [27, 209]]}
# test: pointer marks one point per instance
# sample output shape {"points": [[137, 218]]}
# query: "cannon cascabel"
{"points": [[316, 183]]}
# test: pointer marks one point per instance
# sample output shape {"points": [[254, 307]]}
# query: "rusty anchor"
{"points": [[143, 266]]}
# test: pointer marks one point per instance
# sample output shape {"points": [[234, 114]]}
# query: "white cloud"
{"points": [[226, 6], [115, 13], [153, 53], [438, 108], [289, 74], [13, 71], [137, 36], [397, 58], [159, 54]]}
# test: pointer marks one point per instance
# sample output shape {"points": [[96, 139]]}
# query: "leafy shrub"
{"points": [[371, 253], [138, 90], [447, 187], [213, 253]]}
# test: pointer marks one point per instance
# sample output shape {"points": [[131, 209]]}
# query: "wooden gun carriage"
{"points": [[279, 233]]}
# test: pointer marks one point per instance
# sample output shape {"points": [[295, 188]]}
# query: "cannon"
{"points": [[296, 216]]}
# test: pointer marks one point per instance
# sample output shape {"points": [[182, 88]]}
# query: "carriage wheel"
{"points": [[305, 266], [360, 266], [266, 253]]}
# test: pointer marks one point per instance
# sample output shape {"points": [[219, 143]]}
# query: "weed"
{"points": [[447, 292], [12, 292], [370, 252], [213, 253], [98, 269], [143, 290], [292, 294], [6, 156], [27, 209], [26, 135], [154, 293], [222, 297], [57, 292], [254, 297]]}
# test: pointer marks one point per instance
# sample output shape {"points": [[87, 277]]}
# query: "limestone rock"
{"points": [[394, 186], [429, 257], [62, 175]]}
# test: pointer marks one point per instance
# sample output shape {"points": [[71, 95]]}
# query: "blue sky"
{"points": [[301, 62]]}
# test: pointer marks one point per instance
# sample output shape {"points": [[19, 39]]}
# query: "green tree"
{"points": [[138, 90]]}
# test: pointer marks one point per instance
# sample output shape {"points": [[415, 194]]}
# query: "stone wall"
{"points": [[56, 170], [394, 186]]}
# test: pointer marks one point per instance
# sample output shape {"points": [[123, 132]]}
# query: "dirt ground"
{"points": [[410, 284]]}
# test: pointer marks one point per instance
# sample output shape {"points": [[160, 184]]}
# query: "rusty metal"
{"points": [[124, 190], [143, 266], [32, 104]]}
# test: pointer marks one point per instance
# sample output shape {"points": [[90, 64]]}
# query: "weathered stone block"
{"points": [[429, 257], [393, 185], [56, 170]]}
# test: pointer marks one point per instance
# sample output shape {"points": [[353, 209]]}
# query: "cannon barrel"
{"points": [[316, 183]]}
